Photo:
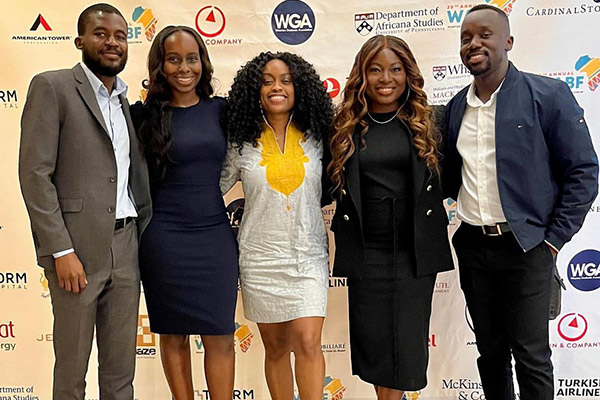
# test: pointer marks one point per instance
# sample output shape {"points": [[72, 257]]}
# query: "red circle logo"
{"points": [[332, 86], [572, 327], [210, 21]]}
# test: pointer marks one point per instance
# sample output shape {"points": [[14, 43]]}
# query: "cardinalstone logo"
{"points": [[572, 327], [333, 87]]}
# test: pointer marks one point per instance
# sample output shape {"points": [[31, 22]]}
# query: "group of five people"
{"points": [[380, 156]]}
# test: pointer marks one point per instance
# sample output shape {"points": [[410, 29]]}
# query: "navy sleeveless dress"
{"points": [[188, 252]]}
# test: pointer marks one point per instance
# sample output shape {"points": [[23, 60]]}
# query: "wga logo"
{"points": [[584, 270], [332, 389], [591, 67], [504, 5], [244, 336], [456, 13], [145, 17], [293, 22]]}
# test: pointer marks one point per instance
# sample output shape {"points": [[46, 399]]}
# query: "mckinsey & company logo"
{"points": [[293, 22], [584, 270]]}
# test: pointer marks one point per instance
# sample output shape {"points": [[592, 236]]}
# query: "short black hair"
{"points": [[499, 11], [84, 17]]}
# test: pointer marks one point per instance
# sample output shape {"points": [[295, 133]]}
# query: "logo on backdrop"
{"points": [[34, 38], [242, 334], [40, 20], [333, 87], [584, 270], [333, 389], [578, 387], [7, 336], [146, 340], [398, 22], [235, 212], [9, 99], [293, 22], [583, 9], [456, 12], [145, 17], [504, 5], [210, 21], [572, 327], [334, 347], [466, 388], [364, 23], [44, 284], [590, 66], [13, 280]]}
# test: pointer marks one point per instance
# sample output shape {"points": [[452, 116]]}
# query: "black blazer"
{"points": [[432, 248]]}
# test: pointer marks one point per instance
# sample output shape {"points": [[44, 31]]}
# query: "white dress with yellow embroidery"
{"points": [[282, 240]]}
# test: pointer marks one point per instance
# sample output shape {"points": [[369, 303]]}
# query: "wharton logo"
{"points": [[40, 20], [293, 22], [584, 270], [591, 67]]}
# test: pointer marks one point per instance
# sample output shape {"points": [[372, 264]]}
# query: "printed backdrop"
{"points": [[556, 38]]}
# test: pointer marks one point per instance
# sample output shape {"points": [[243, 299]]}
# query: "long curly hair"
{"points": [[312, 111], [155, 131], [416, 113]]}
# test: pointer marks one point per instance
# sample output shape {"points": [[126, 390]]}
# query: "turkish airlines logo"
{"points": [[333, 87], [210, 21], [572, 327], [40, 20]]}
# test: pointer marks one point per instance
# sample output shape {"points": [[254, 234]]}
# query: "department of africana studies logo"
{"points": [[39, 33], [424, 19]]}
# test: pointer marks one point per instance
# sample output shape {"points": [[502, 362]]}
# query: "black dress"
{"points": [[389, 307], [188, 252]]}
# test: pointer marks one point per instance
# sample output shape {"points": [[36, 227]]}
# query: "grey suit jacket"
{"points": [[67, 170]]}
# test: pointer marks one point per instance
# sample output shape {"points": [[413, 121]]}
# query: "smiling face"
{"points": [[182, 67], [386, 81], [277, 89], [484, 42], [104, 44]]}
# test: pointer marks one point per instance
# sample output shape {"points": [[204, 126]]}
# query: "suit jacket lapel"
{"points": [[87, 93]]}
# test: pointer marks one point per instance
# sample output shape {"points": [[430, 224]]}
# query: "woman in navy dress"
{"points": [[188, 253]]}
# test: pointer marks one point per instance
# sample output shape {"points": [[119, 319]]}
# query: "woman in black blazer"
{"points": [[390, 224]]}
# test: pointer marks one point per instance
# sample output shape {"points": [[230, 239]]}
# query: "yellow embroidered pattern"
{"points": [[285, 171]]}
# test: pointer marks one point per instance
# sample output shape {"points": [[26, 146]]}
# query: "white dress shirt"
{"points": [[114, 119], [479, 198]]}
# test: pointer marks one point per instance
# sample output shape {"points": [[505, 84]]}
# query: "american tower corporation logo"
{"points": [[584, 270], [39, 26], [293, 22]]}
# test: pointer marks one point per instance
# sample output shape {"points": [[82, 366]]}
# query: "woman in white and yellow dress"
{"points": [[277, 116]]}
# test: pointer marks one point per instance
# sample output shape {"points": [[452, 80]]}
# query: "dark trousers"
{"points": [[507, 292], [110, 305]]}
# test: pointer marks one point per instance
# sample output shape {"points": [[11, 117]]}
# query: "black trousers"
{"points": [[507, 292]]}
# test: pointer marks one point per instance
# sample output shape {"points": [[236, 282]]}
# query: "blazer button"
{"points": [[429, 187], [346, 217], [429, 212], [111, 209], [344, 192], [112, 179]]}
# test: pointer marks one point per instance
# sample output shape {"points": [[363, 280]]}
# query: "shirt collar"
{"points": [[474, 101], [98, 86]]}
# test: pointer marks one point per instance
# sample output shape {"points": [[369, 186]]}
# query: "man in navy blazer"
{"points": [[520, 163]]}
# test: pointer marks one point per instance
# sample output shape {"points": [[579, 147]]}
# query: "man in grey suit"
{"points": [[85, 185]]}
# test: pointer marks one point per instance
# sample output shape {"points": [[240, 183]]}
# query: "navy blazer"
{"points": [[547, 168], [432, 252]]}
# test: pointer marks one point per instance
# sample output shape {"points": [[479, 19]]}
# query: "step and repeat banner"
{"points": [[555, 38]]}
